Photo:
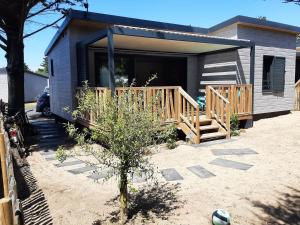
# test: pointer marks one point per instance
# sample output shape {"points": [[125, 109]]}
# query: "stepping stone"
{"points": [[230, 164], [171, 174], [139, 178], [209, 143], [82, 169], [52, 158], [50, 152], [49, 136], [70, 163], [200, 171], [98, 175], [242, 151], [52, 140]]}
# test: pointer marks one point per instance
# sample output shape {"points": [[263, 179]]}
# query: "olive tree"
{"points": [[124, 127]]}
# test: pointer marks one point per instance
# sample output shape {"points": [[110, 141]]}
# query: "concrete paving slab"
{"points": [[50, 136], [139, 178], [70, 163], [210, 143], [171, 174], [230, 164], [52, 158], [98, 175], [242, 151], [46, 153], [200, 171], [82, 169]]}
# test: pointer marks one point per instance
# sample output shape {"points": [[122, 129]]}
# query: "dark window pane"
{"points": [[267, 73], [278, 74]]}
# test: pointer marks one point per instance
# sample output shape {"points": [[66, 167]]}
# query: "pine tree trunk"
{"points": [[15, 71], [123, 198]]}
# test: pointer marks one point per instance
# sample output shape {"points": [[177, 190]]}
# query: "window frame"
{"points": [[271, 90], [52, 67]]}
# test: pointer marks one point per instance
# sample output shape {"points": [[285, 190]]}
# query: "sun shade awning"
{"points": [[134, 38]]}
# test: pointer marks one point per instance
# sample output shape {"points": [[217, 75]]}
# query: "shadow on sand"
{"points": [[157, 201], [286, 211]]}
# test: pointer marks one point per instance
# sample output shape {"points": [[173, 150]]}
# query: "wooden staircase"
{"points": [[207, 127], [209, 130]]}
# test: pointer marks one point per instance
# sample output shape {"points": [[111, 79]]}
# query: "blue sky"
{"points": [[202, 13]]}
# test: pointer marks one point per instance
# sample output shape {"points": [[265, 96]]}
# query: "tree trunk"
{"points": [[123, 198], [15, 72]]}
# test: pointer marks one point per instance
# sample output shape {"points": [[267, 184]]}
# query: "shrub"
{"points": [[234, 125]]}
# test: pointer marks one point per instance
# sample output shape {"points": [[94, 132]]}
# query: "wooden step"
{"points": [[209, 128], [214, 135], [204, 122]]}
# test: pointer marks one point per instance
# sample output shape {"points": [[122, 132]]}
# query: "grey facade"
{"points": [[34, 84], [267, 42], [238, 64]]}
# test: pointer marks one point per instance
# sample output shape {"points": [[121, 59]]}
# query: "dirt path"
{"points": [[258, 187]]}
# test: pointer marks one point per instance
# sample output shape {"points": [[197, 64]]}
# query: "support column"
{"points": [[252, 72], [111, 60]]}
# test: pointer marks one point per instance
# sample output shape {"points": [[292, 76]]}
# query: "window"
{"points": [[273, 74], [52, 67]]}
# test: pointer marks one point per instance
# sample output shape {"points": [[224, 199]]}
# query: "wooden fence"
{"points": [[9, 204], [297, 96]]}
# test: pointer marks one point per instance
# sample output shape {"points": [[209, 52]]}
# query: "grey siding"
{"points": [[272, 43], [64, 82], [229, 32], [61, 89], [221, 68], [218, 68]]}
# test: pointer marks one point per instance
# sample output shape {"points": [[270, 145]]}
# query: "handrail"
{"points": [[189, 113], [218, 107], [217, 93]]}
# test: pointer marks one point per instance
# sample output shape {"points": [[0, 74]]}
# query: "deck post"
{"points": [[208, 103], [111, 60]]}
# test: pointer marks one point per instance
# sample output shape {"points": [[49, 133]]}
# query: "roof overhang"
{"points": [[141, 39], [255, 22], [112, 20]]}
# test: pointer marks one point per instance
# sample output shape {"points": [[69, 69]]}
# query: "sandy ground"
{"points": [[267, 193]]}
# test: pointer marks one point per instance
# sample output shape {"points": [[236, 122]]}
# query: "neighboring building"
{"points": [[241, 50], [34, 85], [297, 77]]}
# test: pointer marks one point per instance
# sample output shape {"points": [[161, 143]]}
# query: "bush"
{"points": [[234, 125], [171, 136]]}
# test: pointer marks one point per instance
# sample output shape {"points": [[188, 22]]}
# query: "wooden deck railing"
{"points": [[297, 95], [218, 107], [173, 103], [240, 98]]}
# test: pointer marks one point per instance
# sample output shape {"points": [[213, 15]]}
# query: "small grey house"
{"points": [[255, 58], [34, 85]]}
